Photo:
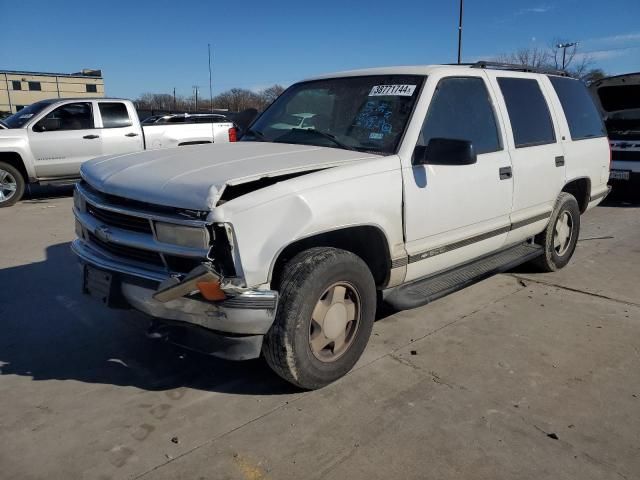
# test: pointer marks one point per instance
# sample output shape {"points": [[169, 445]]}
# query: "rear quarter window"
{"points": [[528, 112], [581, 113]]}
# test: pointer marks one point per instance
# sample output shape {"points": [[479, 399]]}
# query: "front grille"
{"points": [[120, 220], [134, 217], [626, 155], [132, 253]]}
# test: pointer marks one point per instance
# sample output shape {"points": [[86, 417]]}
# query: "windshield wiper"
{"points": [[326, 135]]}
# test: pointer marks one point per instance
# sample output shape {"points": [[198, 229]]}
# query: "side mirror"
{"points": [[47, 125], [445, 151]]}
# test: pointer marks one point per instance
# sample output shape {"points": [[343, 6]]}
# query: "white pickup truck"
{"points": [[404, 184], [47, 141]]}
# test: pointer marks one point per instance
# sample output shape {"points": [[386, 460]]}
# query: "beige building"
{"points": [[19, 89]]}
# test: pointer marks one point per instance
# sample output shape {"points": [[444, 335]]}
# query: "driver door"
{"points": [[455, 213], [63, 139]]}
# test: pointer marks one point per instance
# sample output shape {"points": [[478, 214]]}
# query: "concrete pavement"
{"points": [[521, 376]]}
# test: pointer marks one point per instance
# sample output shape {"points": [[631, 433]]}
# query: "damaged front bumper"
{"points": [[232, 328]]}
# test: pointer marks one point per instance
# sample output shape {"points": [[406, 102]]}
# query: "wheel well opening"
{"points": [[15, 161], [368, 242], [580, 188]]}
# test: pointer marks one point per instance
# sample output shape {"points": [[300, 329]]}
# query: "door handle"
{"points": [[505, 173], [91, 137], [131, 135], [560, 161]]}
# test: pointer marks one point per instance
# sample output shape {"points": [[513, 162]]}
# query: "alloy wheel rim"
{"points": [[8, 185], [334, 321], [563, 233]]}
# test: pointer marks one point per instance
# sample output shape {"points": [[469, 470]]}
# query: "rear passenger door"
{"points": [[120, 128], [536, 153]]}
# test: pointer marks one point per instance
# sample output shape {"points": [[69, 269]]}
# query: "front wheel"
{"points": [[11, 185], [325, 316], [561, 235]]}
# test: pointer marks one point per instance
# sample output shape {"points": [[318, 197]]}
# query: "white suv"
{"points": [[405, 184]]}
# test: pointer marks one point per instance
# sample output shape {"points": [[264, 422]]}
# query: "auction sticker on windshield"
{"points": [[397, 90]]}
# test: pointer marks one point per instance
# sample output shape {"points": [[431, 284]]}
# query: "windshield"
{"points": [[368, 113], [19, 119]]}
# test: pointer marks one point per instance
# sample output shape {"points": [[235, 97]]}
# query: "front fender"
{"points": [[15, 142], [309, 205]]}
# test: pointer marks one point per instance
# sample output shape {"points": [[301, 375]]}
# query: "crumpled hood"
{"points": [[194, 177]]}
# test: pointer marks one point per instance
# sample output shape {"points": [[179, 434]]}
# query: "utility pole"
{"points": [[564, 47], [174, 98], [210, 88], [460, 34], [195, 88]]}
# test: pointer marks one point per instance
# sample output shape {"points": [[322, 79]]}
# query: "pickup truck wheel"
{"points": [[325, 315], [11, 185], [561, 235]]}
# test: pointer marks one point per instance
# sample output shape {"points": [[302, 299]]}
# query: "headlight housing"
{"points": [[191, 237]]}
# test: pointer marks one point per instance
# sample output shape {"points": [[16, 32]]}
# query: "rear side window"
{"points": [[461, 109], [114, 115], [582, 115], [528, 111]]}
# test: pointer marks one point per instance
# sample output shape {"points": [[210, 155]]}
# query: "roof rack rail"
{"points": [[518, 68]]}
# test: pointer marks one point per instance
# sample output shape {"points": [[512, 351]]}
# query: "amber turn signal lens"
{"points": [[211, 291]]}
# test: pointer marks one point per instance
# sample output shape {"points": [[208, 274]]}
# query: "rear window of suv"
{"points": [[528, 112], [579, 109]]}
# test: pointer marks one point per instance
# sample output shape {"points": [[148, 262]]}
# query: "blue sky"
{"points": [[154, 46]]}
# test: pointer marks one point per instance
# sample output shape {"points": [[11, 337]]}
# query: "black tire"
{"points": [[555, 258], [305, 278], [10, 175]]}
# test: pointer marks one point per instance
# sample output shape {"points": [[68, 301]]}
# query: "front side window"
{"points": [[35, 86], [461, 109], [72, 116], [581, 113], [91, 88], [24, 114], [528, 112], [16, 84], [365, 113], [114, 115]]}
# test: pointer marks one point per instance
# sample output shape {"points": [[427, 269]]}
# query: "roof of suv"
{"points": [[427, 69]]}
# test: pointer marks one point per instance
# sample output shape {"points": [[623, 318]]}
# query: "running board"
{"points": [[59, 182], [425, 290]]}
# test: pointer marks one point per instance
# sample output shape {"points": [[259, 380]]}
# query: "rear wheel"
{"points": [[12, 185], [325, 316], [561, 235]]}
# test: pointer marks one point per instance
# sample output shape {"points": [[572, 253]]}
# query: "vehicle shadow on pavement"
{"points": [[621, 200], [51, 331]]}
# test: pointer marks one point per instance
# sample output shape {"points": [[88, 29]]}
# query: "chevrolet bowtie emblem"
{"points": [[103, 233]]}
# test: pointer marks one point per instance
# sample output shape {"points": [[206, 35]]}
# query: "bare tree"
{"points": [[268, 95], [534, 56], [593, 75], [235, 100], [578, 65]]}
